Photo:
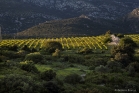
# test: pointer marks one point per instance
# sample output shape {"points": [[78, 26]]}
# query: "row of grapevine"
{"points": [[67, 43]]}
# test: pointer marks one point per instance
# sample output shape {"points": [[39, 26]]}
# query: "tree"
{"points": [[51, 46], [101, 69], [123, 58], [73, 79], [124, 52], [120, 35], [48, 75]]}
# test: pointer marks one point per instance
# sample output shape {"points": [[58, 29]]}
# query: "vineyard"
{"points": [[67, 43], [93, 42]]}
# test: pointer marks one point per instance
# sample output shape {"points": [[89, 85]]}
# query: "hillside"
{"points": [[76, 26], [19, 15]]}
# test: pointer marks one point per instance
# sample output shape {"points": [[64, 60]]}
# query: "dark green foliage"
{"points": [[18, 84], [52, 87], [35, 57], [28, 66], [123, 58], [73, 79], [26, 48], [124, 52], [51, 46], [131, 71], [95, 61], [2, 58], [48, 75], [22, 53], [107, 39], [85, 51], [126, 45], [88, 91], [10, 47], [92, 68], [9, 54], [120, 35], [101, 69], [114, 66], [127, 42], [74, 59], [135, 65]]}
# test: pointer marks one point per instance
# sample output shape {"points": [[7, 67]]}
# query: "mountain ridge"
{"points": [[18, 15], [77, 26]]}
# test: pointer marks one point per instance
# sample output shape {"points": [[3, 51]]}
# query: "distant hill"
{"points": [[19, 15], [82, 25]]}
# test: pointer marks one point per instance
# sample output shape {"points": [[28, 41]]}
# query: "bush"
{"points": [[48, 75], [114, 66], [125, 49], [85, 51], [135, 65], [131, 71], [35, 57], [14, 83], [51, 46], [2, 58], [101, 69], [26, 48], [107, 40], [56, 53], [123, 58], [10, 48], [28, 66], [52, 87], [73, 79], [10, 54], [74, 59], [120, 35]]}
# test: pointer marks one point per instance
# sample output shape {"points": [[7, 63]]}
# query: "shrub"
{"points": [[74, 59], [9, 54], [56, 53], [131, 71], [28, 66], [51, 46], [14, 83], [52, 87], [135, 65], [89, 91], [73, 79], [26, 48], [107, 40], [22, 53], [123, 58], [2, 58], [85, 51], [48, 75], [101, 69], [35, 57], [10, 48], [125, 48], [120, 35], [92, 68], [114, 66]]}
